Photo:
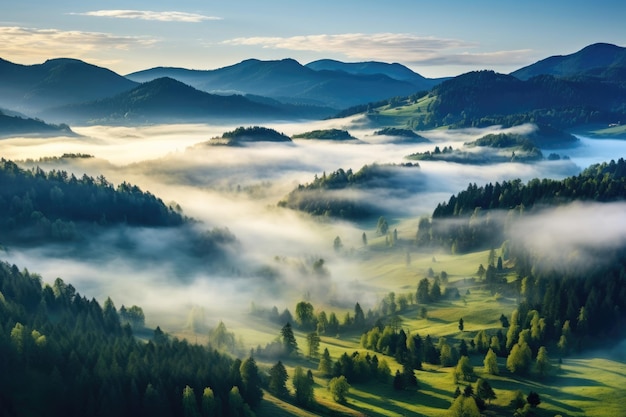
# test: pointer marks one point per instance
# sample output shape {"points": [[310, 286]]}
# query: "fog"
{"points": [[239, 187], [572, 236]]}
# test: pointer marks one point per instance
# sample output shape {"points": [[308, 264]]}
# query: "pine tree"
{"points": [[289, 340], [491, 363], [325, 366], [277, 381], [250, 382]]}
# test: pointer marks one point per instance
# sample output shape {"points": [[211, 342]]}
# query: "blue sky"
{"points": [[434, 38]]}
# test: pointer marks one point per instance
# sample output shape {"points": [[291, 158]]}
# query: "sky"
{"points": [[434, 38]]}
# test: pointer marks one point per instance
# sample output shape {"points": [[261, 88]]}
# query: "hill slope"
{"points": [[163, 99], [56, 82], [395, 71], [16, 125], [288, 81], [588, 59]]}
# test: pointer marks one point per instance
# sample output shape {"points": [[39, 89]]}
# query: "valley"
{"points": [[231, 233]]}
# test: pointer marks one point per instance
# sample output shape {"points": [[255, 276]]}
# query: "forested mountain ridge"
{"points": [[163, 99], [50, 204], [16, 125], [319, 197], [486, 98], [56, 82], [64, 355], [289, 81], [588, 60], [604, 182]]}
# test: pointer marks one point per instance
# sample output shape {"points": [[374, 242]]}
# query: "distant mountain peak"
{"points": [[591, 57]]}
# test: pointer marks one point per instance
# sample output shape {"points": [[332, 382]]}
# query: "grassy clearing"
{"points": [[591, 386]]}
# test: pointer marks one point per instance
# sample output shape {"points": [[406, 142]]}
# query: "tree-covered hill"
{"points": [[326, 134], [15, 125], [319, 197], [56, 82], [590, 59], [602, 182], [50, 204], [243, 135], [485, 98], [62, 354], [163, 99]]}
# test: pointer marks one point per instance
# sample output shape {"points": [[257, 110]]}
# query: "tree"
{"points": [[190, 405], [289, 340], [322, 322], [305, 315], [464, 370], [504, 321], [382, 227], [491, 363], [464, 407], [461, 325], [542, 363], [519, 359], [533, 399], [221, 338], [423, 291], [359, 317], [333, 324], [325, 366], [277, 380], [251, 382], [435, 291], [210, 404], [481, 271], [236, 405], [484, 390], [313, 343], [339, 388], [337, 244], [303, 386]]}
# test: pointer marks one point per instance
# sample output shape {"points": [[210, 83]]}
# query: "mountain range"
{"points": [[286, 80], [69, 90]]}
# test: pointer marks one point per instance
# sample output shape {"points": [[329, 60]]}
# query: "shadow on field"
{"points": [[397, 400], [549, 390]]}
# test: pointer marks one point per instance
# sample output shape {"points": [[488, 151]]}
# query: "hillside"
{"points": [[591, 59], [247, 135], [56, 82], [64, 354], [336, 135], [289, 81], [395, 71], [163, 100], [335, 194], [23, 126]]}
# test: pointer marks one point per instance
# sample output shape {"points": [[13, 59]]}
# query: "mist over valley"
{"points": [[265, 212]]}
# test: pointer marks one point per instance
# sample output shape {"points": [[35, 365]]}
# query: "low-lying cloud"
{"points": [[571, 236], [277, 246]]}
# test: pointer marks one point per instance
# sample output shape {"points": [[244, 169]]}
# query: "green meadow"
{"points": [[579, 386]]}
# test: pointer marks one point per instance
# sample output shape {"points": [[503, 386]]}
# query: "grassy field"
{"points": [[580, 386], [402, 116]]}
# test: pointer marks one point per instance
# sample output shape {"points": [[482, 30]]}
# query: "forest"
{"points": [[65, 355]]}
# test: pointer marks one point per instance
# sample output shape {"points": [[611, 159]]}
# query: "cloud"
{"points": [[37, 43], [573, 236], [167, 16], [389, 47]]}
